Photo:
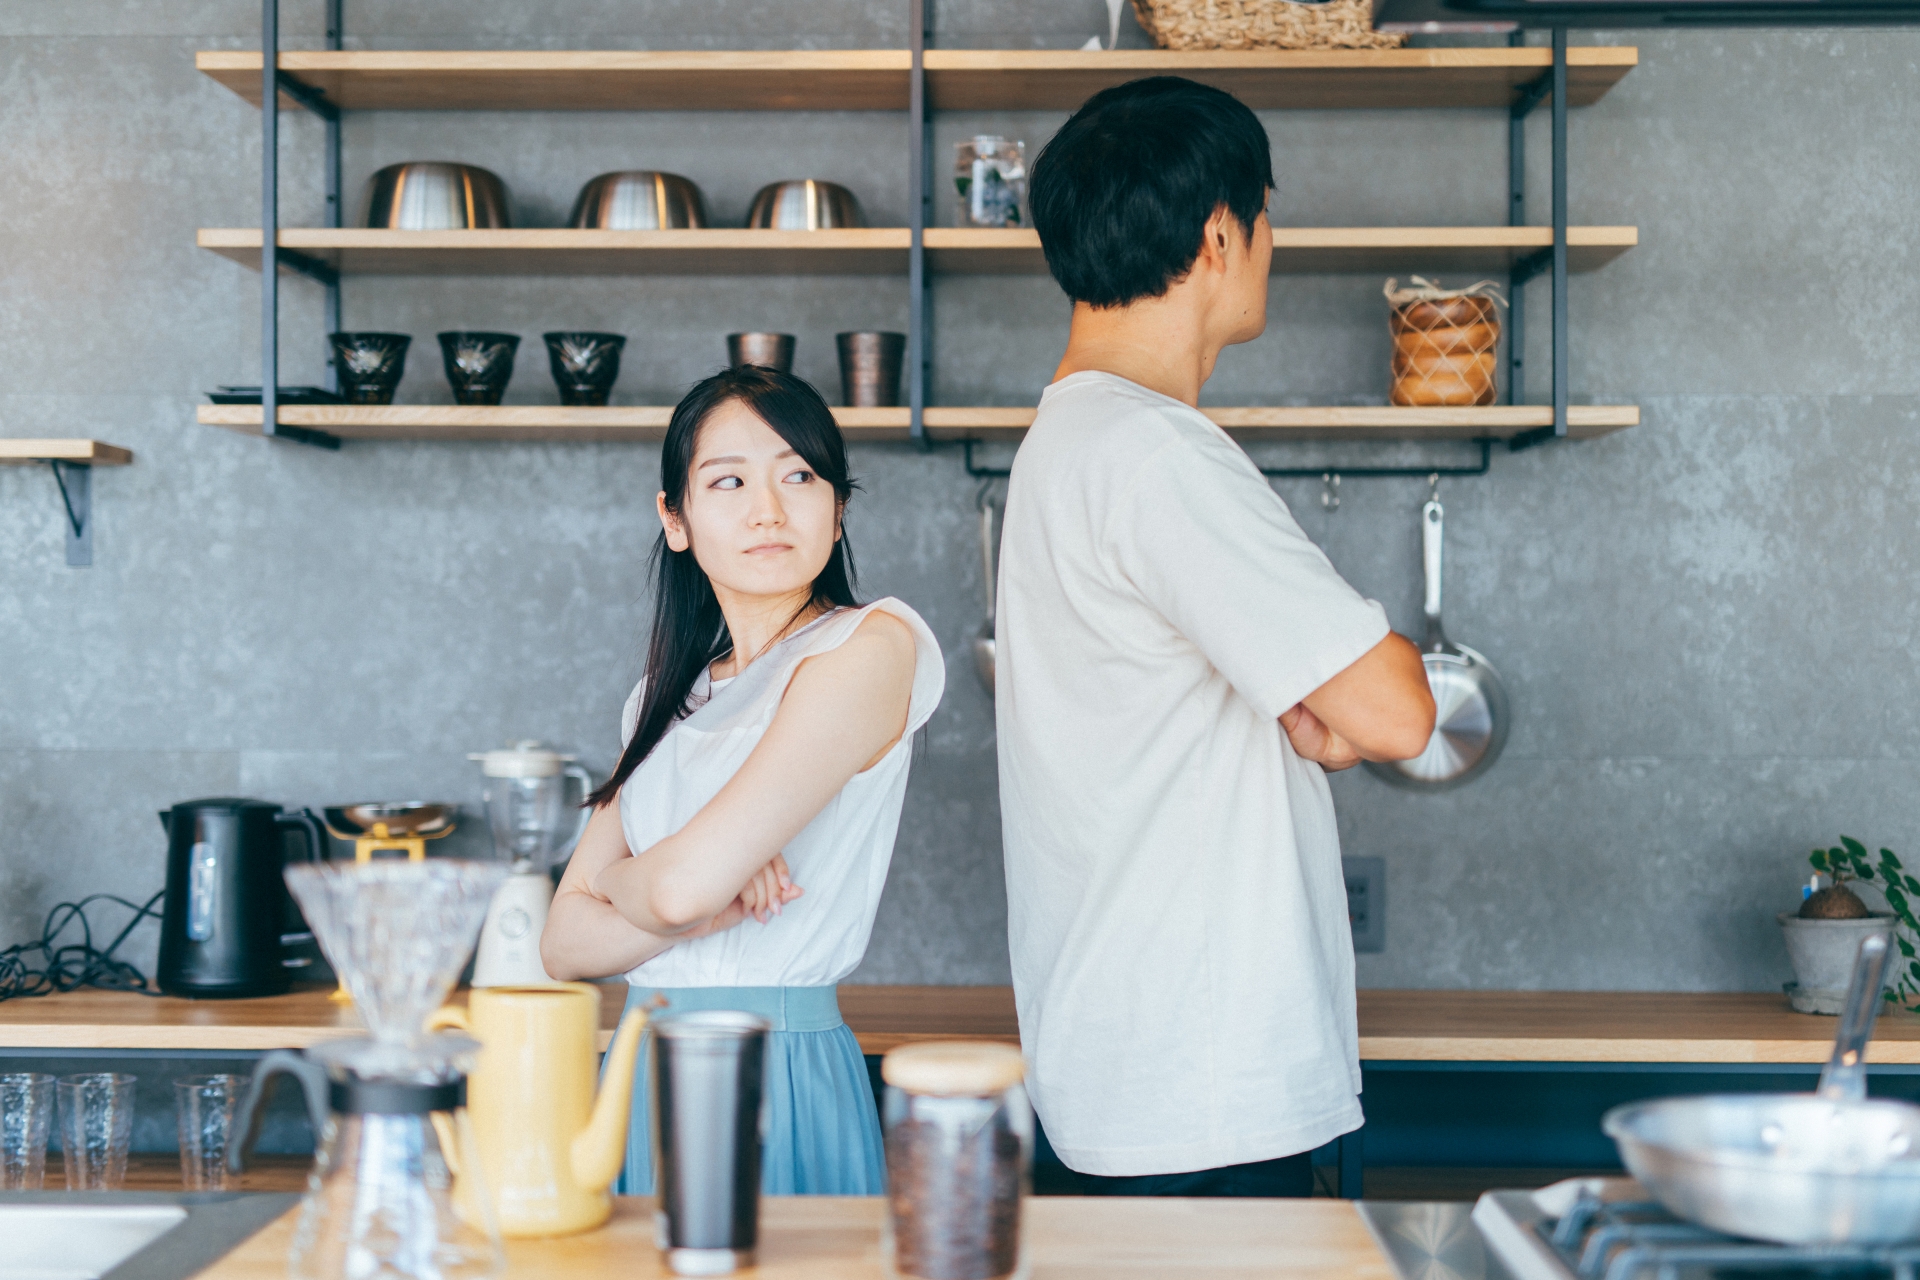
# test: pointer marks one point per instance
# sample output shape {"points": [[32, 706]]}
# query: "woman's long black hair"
{"points": [[689, 632]]}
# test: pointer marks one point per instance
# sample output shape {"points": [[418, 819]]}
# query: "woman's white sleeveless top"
{"points": [[840, 858]]}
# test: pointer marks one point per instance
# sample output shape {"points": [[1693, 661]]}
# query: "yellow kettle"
{"points": [[548, 1147]]}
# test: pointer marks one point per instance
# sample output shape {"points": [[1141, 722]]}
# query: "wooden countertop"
{"points": [[824, 1238], [1426, 1026]]}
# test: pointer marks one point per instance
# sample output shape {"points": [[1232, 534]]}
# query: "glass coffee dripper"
{"points": [[395, 1190]]}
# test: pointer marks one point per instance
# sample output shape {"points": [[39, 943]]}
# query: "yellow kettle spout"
{"points": [[600, 1149]]}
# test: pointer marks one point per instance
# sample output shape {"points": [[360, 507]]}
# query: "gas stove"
{"points": [[1599, 1229]]}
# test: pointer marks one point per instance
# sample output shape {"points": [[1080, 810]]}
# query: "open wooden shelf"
{"points": [[88, 451], [876, 79], [1317, 250], [877, 250], [556, 251], [649, 422], [770, 80], [1310, 79]]}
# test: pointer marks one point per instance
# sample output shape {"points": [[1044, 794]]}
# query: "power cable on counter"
{"points": [[71, 965]]}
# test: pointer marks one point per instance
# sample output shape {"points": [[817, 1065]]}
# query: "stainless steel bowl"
{"points": [[1791, 1168], [433, 195], [638, 200], [402, 817], [805, 204]]}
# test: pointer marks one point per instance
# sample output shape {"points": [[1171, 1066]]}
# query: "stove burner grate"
{"points": [[1640, 1240]]}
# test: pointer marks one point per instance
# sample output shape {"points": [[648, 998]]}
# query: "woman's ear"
{"points": [[839, 519], [676, 532]]}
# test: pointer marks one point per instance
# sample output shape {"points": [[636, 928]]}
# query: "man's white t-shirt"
{"points": [[1176, 908]]}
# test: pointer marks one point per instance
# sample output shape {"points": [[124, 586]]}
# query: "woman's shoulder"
{"points": [[886, 641]]}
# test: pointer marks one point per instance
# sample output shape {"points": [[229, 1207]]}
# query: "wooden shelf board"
{"points": [[91, 451], [558, 251], [1317, 250], [1364, 422], [771, 80], [877, 250], [877, 79], [1048, 80], [554, 423], [643, 423]]}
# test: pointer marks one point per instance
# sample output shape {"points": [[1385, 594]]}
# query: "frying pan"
{"points": [[1825, 1168], [983, 648], [1471, 718]]}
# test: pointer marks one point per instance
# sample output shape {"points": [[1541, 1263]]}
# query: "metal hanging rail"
{"points": [[919, 210]]}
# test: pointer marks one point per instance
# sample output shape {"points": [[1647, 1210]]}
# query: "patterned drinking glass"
{"points": [[96, 1128], [26, 1117]]}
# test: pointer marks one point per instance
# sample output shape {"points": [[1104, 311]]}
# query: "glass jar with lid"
{"points": [[959, 1151]]}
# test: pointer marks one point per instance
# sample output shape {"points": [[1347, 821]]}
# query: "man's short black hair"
{"points": [[1121, 195]]}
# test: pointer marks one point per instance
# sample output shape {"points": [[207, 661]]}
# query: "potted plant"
{"points": [[1825, 934]]}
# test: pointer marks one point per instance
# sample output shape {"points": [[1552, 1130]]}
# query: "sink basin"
{"points": [[79, 1242], [50, 1235]]}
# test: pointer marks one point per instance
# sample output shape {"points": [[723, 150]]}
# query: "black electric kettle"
{"points": [[229, 924]]}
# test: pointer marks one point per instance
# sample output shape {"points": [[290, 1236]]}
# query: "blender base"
{"points": [[509, 952]]}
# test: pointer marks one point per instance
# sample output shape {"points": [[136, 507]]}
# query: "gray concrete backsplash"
{"points": [[1707, 623]]}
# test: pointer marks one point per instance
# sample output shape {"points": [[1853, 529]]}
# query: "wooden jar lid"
{"points": [[953, 1068]]}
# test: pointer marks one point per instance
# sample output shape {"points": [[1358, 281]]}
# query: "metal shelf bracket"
{"points": [[76, 495]]}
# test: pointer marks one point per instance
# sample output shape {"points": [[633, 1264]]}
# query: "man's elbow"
{"points": [[1410, 732]]}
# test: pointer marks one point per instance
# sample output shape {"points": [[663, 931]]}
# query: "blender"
{"points": [[396, 1189], [526, 799]]}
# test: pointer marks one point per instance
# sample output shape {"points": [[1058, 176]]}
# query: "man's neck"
{"points": [[1156, 343]]}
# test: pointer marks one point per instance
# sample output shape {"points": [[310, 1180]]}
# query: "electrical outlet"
{"points": [[1367, 901]]}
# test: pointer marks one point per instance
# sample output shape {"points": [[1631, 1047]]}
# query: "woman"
{"points": [[736, 855]]}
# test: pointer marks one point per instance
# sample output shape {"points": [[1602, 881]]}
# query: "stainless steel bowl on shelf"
{"points": [[805, 204], [638, 200], [435, 195]]}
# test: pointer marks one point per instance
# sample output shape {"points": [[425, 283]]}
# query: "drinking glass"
{"points": [[26, 1117], [205, 1107], [96, 1128]]}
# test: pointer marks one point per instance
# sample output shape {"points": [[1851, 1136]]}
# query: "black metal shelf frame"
{"points": [[1550, 262]]}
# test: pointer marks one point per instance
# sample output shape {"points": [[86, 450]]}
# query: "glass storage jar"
{"points": [[990, 178], [959, 1146]]}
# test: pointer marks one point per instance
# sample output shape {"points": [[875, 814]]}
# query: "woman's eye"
{"points": [[727, 482], [799, 477]]}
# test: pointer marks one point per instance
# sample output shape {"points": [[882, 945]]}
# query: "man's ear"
{"points": [[676, 532], [1215, 252]]}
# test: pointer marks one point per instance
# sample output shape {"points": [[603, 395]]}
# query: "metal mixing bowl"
{"points": [[805, 204], [433, 195], [638, 200]]}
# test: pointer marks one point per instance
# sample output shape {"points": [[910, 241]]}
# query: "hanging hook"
{"points": [[1433, 487], [1330, 490], [981, 494]]}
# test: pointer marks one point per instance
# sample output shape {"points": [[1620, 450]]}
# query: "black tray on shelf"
{"points": [[288, 395]]}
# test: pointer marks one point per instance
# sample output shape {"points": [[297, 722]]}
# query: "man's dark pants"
{"points": [[1287, 1176]]}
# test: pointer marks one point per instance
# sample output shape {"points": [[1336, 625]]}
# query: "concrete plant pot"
{"points": [[1822, 952]]}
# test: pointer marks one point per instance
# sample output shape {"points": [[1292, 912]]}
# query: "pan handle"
{"points": [[1432, 532], [986, 548], [1845, 1079]]}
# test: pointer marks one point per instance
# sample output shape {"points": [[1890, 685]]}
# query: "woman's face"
{"points": [[760, 522]]}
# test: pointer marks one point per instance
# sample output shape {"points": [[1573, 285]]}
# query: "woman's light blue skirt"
{"points": [[823, 1130]]}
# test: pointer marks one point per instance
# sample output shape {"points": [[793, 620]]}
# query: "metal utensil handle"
{"points": [[1432, 537], [1845, 1079], [986, 549]]}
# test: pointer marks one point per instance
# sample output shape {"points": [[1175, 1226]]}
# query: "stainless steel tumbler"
{"points": [[708, 1119]]}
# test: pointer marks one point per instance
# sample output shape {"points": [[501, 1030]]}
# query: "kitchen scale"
{"points": [[533, 829], [387, 826]]}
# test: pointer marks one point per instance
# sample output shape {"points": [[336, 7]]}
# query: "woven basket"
{"points": [[1263, 24]]}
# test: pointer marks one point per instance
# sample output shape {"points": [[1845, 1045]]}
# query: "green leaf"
{"points": [[1853, 847], [1819, 859], [1886, 856], [1896, 899], [1906, 948], [1913, 886]]}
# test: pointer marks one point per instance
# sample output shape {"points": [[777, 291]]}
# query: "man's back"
{"points": [[1176, 908]]}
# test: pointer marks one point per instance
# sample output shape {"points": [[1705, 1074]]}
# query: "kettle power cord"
{"points": [[47, 965]]}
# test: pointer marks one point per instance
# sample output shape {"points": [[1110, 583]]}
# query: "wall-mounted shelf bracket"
{"points": [[76, 494], [314, 100], [306, 435], [1551, 261], [1333, 475], [310, 267], [920, 208]]}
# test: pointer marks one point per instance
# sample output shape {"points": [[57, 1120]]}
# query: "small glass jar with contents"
{"points": [[959, 1147], [990, 177]]}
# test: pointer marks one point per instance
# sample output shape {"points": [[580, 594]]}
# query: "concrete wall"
{"points": [[1706, 624]]}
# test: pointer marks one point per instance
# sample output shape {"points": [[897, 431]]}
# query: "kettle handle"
{"points": [[313, 1083], [586, 810], [307, 823]]}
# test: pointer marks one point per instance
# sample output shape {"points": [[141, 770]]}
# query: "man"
{"points": [[1178, 667]]}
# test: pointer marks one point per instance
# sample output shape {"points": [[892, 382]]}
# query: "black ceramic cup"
{"points": [[584, 364], [870, 368], [479, 364], [774, 350], [369, 365]]}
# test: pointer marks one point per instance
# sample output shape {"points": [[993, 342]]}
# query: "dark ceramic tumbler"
{"points": [[479, 365], [369, 365], [584, 365], [870, 368], [774, 350]]}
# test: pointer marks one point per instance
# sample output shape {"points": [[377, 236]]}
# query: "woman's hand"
{"points": [[770, 889]]}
